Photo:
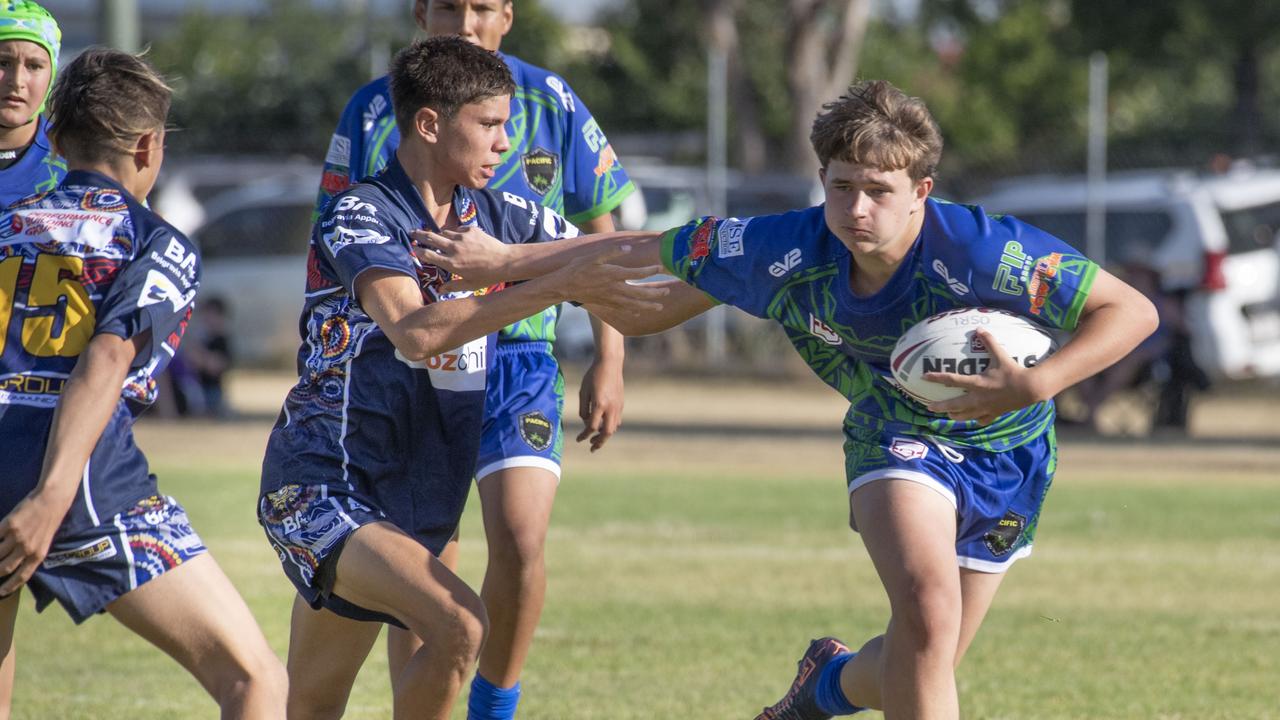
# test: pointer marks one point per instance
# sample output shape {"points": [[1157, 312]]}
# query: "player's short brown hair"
{"points": [[876, 124], [444, 73], [103, 102]]}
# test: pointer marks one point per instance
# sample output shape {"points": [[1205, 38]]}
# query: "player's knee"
{"points": [[518, 549], [259, 675], [462, 633], [930, 618]]}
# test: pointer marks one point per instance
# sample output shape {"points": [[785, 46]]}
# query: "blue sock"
{"points": [[490, 702], [831, 699]]}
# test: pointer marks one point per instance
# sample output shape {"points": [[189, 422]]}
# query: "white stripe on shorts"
{"points": [[128, 552], [910, 475], [988, 566], [532, 461]]}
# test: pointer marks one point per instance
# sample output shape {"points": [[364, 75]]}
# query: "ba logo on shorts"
{"points": [[540, 168], [1004, 536], [536, 430], [909, 449]]}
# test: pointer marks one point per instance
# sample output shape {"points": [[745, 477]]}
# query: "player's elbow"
{"points": [[419, 345], [1145, 316]]}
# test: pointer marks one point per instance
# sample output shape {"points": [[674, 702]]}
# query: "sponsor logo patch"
{"points": [[339, 152], [909, 449], [1005, 535], [536, 430], [729, 238], [159, 288], [824, 331], [100, 549], [540, 169]]}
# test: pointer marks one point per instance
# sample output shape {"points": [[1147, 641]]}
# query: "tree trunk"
{"points": [[1247, 115], [824, 39]]}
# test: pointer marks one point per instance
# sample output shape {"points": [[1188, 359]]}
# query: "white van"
{"points": [[1213, 238]]}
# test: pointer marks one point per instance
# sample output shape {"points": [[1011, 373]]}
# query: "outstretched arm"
{"points": [[88, 400], [420, 331], [481, 261]]}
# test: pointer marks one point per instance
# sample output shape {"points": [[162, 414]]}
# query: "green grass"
{"points": [[691, 593]]}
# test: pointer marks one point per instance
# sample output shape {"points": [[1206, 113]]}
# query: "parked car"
{"points": [[253, 244], [1211, 239]]}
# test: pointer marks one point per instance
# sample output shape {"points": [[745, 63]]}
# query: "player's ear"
{"points": [[508, 16], [146, 152], [420, 14], [923, 187], [426, 122]]}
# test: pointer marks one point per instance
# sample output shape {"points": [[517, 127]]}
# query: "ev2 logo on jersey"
{"points": [[956, 286], [786, 264]]}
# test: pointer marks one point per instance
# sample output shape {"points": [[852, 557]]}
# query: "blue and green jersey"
{"points": [[559, 158], [39, 170], [791, 269]]}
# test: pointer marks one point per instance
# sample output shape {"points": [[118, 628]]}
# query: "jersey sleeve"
{"points": [[354, 237], [524, 221], [345, 147], [153, 293], [594, 181], [1031, 273], [726, 259]]}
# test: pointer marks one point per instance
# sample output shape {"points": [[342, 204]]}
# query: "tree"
{"points": [[262, 83], [1235, 35], [824, 40]]}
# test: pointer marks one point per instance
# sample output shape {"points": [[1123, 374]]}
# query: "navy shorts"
{"points": [[89, 567], [308, 525], [523, 404], [997, 495]]}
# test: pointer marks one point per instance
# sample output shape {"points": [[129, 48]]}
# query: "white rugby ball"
{"points": [[946, 342]]}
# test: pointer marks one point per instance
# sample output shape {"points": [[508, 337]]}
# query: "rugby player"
{"points": [[29, 44], [370, 463], [559, 158], [95, 294], [946, 496]]}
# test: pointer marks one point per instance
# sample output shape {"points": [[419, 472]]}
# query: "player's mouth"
{"points": [[13, 101], [489, 171]]}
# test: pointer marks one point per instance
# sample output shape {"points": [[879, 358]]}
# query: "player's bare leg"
{"points": [[326, 651], [516, 503], [861, 676], [8, 618], [909, 531], [385, 570], [193, 613], [402, 644]]}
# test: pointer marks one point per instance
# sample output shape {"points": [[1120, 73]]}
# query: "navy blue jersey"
{"points": [[39, 170], [84, 259], [559, 157], [792, 269], [402, 433]]}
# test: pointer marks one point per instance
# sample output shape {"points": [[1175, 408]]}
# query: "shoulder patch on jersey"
{"points": [[341, 237], [729, 238], [339, 151]]}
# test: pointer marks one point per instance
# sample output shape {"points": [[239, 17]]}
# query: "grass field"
{"points": [[690, 566]]}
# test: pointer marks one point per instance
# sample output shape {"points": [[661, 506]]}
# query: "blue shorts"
{"points": [[997, 495], [523, 404], [308, 525], [89, 567]]}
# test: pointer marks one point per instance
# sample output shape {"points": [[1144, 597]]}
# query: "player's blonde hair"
{"points": [[103, 102], [876, 124]]}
